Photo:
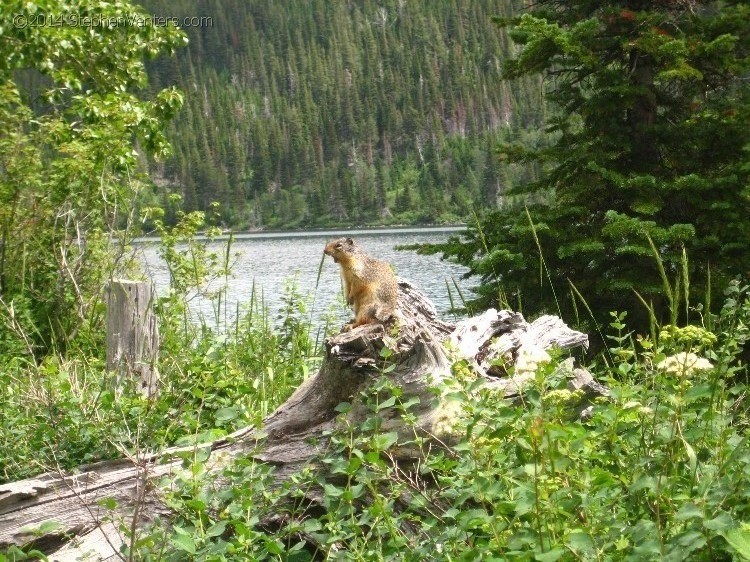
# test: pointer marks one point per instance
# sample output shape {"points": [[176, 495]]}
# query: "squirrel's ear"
{"points": [[350, 241]]}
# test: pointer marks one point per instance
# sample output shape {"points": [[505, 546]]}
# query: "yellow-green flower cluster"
{"points": [[463, 371], [687, 337], [449, 413], [562, 397]]}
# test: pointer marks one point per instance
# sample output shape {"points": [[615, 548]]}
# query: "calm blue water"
{"points": [[266, 262]]}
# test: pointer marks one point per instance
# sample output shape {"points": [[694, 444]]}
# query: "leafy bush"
{"points": [[69, 171], [66, 412]]}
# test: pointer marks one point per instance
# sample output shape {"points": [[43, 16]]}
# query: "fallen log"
{"points": [[70, 516]]}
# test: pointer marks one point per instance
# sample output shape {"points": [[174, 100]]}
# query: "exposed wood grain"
{"points": [[132, 333]]}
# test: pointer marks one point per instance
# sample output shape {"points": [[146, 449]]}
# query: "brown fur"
{"points": [[370, 285]]}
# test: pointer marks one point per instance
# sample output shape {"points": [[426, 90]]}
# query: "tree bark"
{"points": [[422, 350], [132, 334]]}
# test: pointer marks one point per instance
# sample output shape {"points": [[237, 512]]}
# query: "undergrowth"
{"points": [[64, 411], [656, 471]]}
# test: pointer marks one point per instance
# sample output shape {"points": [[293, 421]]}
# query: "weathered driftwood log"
{"points": [[423, 348], [132, 333]]}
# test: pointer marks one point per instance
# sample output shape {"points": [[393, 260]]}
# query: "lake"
{"points": [[266, 261]]}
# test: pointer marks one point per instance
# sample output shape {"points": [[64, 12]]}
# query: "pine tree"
{"points": [[649, 155]]}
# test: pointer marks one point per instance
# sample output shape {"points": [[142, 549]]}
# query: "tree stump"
{"points": [[132, 334], [423, 348]]}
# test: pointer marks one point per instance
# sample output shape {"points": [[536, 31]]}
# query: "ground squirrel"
{"points": [[370, 285]]}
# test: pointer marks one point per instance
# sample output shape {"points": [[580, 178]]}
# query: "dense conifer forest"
{"points": [[319, 113]]}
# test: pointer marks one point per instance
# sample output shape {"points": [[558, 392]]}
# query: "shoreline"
{"points": [[320, 232]]}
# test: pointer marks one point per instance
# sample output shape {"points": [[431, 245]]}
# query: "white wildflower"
{"points": [[530, 358], [448, 415], [684, 364]]}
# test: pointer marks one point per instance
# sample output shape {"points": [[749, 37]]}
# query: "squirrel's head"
{"points": [[341, 247]]}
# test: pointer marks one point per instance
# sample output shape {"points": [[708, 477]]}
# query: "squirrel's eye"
{"points": [[338, 245]]}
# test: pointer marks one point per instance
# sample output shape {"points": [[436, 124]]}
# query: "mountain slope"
{"points": [[310, 112]]}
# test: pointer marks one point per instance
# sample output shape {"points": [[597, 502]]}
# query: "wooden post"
{"points": [[132, 333]]}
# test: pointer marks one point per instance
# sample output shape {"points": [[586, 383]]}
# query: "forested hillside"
{"points": [[319, 113]]}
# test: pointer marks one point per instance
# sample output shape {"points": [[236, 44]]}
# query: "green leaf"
{"points": [[343, 407], [689, 511], [108, 503], [332, 491], [201, 455], [216, 529], [15, 554], [373, 457], [196, 505], [226, 414], [385, 440], [44, 528], [274, 546], [311, 525], [550, 556], [473, 519], [644, 482], [354, 464], [183, 542], [693, 458], [691, 540], [739, 539], [411, 402], [388, 403], [721, 522], [580, 541], [522, 442]]}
